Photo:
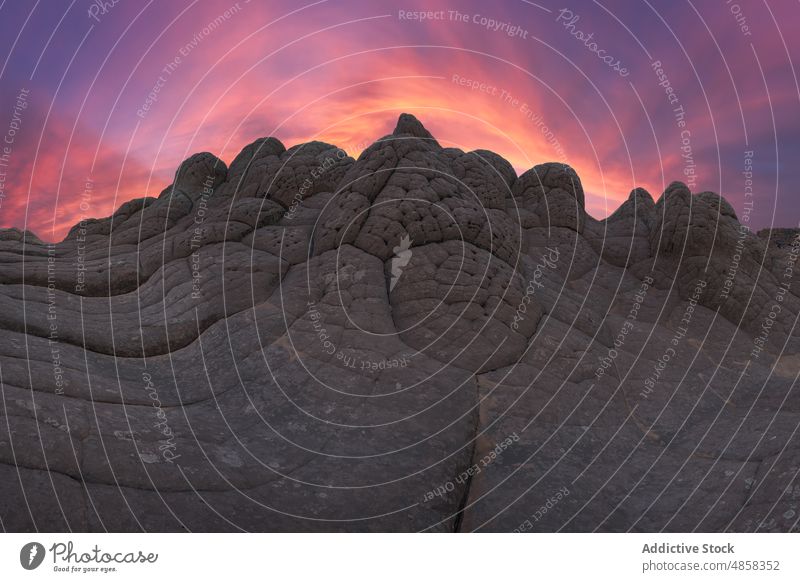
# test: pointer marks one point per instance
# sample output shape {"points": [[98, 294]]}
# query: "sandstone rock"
{"points": [[200, 171], [416, 340]]}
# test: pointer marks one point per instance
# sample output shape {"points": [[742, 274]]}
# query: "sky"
{"points": [[101, 100]]}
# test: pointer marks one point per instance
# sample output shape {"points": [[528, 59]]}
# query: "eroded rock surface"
{"points": [[416, 340]]}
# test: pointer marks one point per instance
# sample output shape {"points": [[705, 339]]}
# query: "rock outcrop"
{"points": [[416, 340]]}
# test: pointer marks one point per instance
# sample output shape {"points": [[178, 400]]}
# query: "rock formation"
{"points": [[416, 340]]}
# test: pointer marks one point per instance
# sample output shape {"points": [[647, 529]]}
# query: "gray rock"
{"points": [[416, 340]]}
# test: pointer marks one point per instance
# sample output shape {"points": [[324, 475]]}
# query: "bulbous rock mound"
{"points": [[414, 340]]}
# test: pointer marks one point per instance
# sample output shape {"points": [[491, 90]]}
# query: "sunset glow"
{"points": [[116, 98]]}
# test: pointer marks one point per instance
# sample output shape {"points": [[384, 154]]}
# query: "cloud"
{"points": [[228, 73]]}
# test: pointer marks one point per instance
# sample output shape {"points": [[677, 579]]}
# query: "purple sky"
{"points": [[527, 80]]}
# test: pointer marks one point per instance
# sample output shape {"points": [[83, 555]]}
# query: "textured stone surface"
{"points": [[413, 340]]}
